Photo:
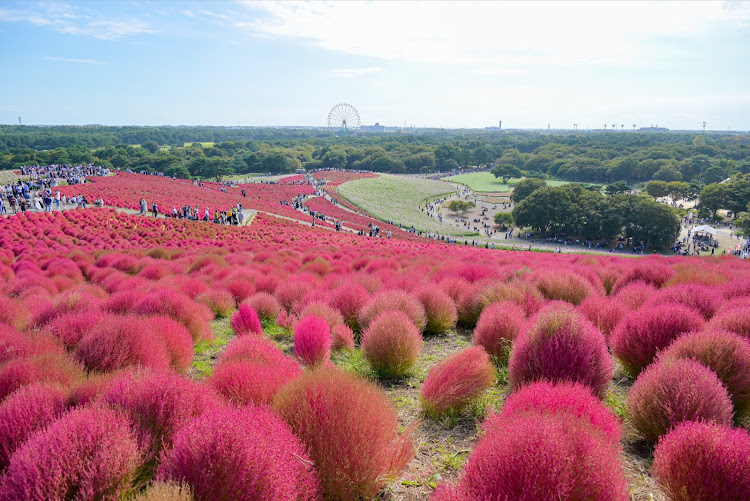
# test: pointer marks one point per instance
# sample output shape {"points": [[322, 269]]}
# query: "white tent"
{"points": [[705, 229]]}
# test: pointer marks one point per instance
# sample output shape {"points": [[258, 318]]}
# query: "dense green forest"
{"points": [[583, 156]]}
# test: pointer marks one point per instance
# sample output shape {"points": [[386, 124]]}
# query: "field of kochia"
{"points": [[152, 359]]}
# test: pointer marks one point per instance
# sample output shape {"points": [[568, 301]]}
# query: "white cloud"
{"points": [[65, 19], [354, 72], [73, 60], [505, 34]]}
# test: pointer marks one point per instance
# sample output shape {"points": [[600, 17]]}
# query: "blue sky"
{"points": [[466, 64]]}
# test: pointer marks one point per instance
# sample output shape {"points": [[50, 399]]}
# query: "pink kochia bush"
{"points": [[567, 400], [177, 339], [725, 353], [703, 462], [265, 305], [540, 457], [25, 411], [392, 343], [312, 340], [497, 328], [458, 380], [604, 312], [736, 320], [240, 454], [349, 299], [342, 338], [561, 345], [89, 453], [644, 332], [245, 321], [393, 300], [172, 304], [670, 392], [701, 298], [439, 308], [350, 429], [44, 368]]}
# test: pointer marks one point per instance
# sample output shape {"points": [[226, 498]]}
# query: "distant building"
{"points": [[372, 128], [653, 129], [499, 126]]}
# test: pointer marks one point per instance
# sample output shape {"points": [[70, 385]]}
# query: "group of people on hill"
{"points": [[47, 176], [234, 216]]}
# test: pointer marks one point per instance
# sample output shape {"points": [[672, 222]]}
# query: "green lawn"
{"points": [[487, 183], [397, 199]]}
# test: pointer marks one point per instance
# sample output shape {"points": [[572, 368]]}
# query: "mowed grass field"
{"points": [[487, 183], [397, 199]]}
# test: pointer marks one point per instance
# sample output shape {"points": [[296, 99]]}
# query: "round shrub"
{"points": [[253, 382], [564, 285], [670, 392], [89, 453], [392, 343], [177, 339], [498, 326], [265, 305], [119, 342], [158, 405], [456, 381], [566, 400], [323, 310], [349, 299], [644, 332], [342, 338], [291, 292], [604, 312], [540, 457], [312, 341], [701, 298], [561, 345], [735, 320], [350, 429], [219, 301], [393, 300], [252, 455], [253, 348], [648, 271], [172, 304], [635, 294], [703, 462], [25, 411], [70, 328], [43, 368], [440, 309], [245, 321]]}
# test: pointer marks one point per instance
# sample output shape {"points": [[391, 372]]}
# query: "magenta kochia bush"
{"points": [[247, 382], [497, 328], [644, 332], [635, 294], [736, 320], [240, 454], [454, 382], [561, 345], [349, 299], [565, 399], [392, 343], [564, 285], [25, 411], [604, 312], [342, 338], [172, 304], [312, 340], [439, 308], [701, 298], [393, 300], [245, 321], [703, 462], [158, 404], [350, 429], [725, 353], [670, 392], [177, 339], [265, 305], [51, 368], [540, 457], [89, 453]]}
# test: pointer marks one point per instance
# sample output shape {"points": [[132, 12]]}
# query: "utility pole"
{"points": [[704, 127], [19, 121]]}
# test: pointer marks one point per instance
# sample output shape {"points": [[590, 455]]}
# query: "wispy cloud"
{"points": [[72, 60], [65, 18], [354, 72]]}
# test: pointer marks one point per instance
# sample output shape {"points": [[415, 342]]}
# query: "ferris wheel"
{"points": [[344, 117]]}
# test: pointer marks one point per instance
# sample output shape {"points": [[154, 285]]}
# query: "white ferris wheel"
{"points": [[344, 117]]}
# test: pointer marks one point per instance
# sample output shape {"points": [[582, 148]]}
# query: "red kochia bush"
{"points": [[670, 392], [172, 304], [392, 343], [439, 307], [701, 298], [644, 332], [25, 411], [240, 454], [253, 381], [565, 399], [635, 294], [90, 453], [219, 301], [648, 271], [265, 305], [350, 429], [177, 339], [349, 299], [725, 353], [497, 328], [561, 345], [312, 340], [703, 462], [604, 312], [122, 341], [342, 338], [245, 321], [564, 285], [323, 310], [454, 382], [393, 300], [70, 328], [735, 320], [540, 457], [51, 368]]}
